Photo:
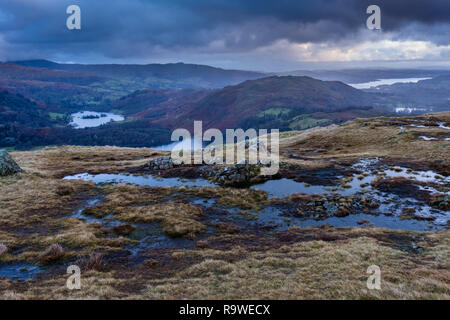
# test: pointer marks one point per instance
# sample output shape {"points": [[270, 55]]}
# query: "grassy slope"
{"points": [[382, 137]]}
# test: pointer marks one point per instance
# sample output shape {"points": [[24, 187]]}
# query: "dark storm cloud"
{"points": [[138, 28]]}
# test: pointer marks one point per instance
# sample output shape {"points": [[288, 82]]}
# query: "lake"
{"points": [[185, 145], [381, 82], [90, 119]]}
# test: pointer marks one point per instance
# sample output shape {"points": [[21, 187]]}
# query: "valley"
{"points": [[40, 100]]}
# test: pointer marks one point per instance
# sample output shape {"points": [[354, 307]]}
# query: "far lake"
{"points": [[381, 82], [90, 119], [186, 145]]}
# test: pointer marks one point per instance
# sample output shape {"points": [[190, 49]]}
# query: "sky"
{"points": [[263, 35]]}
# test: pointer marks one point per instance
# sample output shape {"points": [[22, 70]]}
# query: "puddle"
{"points": [[284, 187], [270, 218], [150, 236], [78, 214], [147, 180], [442, 125], [382, 221], [423, 176], [108, 221], [390, 204], [19, 271], [427, 138]]}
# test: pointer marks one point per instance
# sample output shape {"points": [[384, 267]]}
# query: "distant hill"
{"points": [[272, 102], [426, 93], [157, 76], [74, 86], [22, 73], [58, 89]]}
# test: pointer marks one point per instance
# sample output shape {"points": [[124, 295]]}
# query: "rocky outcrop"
{"points": [[161, 163], [7, 165], [239, 175], [340, 206]]}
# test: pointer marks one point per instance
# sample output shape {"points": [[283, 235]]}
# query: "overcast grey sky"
{"points": [[274, 35]]}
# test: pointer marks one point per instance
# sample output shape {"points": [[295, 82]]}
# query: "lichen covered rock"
{"points": [[239, 175], [7, 165]]}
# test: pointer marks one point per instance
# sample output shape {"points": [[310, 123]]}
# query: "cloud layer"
{"points": [[231, 33]]}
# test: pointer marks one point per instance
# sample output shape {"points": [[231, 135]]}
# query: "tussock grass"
{"points": [[52, 254], [245, 199], [313, 270], [177, 219], [66, 160]]}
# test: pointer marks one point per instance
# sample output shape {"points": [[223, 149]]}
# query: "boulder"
{"points": [[161, 163], [7, 165]]}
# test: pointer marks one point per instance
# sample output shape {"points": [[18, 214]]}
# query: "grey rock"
{"points": [[7, 165], [331, 208], [237, 175], [162, 163]]}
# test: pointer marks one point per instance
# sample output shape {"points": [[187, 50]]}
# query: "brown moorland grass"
{"points": [[381, 137], [66, 160], [245, 199], [332, 268], [177, 219]]}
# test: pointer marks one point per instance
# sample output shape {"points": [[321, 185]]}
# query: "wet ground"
{"points": [[19, 271], [366, 193], [391, 204]]}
